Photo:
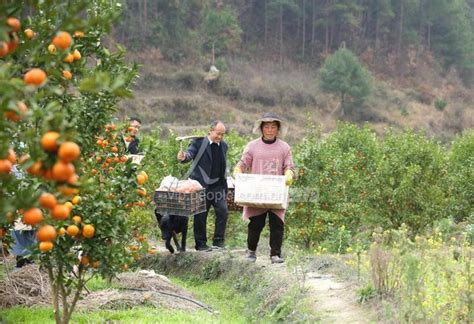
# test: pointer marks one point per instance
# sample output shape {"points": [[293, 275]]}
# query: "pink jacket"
{"points": [[262, 158]]}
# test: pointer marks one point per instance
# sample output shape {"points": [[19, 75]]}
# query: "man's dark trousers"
{"points": [[214, 197]]}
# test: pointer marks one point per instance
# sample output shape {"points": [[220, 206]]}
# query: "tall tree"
{"points": [[343, 75]]}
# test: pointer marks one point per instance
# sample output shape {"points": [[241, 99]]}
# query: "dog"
{"points": [[170, 226]]}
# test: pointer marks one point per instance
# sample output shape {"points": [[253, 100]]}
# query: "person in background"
{"points": [[267, 154], [24, 236], [209, 156], [132, 146]]}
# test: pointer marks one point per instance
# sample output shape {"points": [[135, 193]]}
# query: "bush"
{"points": [[440, 104], [408, 185], [188, 80], [461, 177], [337, 170]]}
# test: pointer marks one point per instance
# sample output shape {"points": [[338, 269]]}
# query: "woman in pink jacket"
{"points": [[267, 154]]}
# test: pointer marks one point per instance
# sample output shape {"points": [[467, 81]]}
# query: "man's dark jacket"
{"points": [[133, 146], [202, 171]]}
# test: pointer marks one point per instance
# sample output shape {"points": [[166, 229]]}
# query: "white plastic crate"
{"points": [[261, 190]]}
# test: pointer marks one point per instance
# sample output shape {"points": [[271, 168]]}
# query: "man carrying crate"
{"points": [[209, 155]]}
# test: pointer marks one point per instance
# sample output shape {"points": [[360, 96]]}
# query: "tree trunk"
{"points": [[326, 43], [421, 17], [281, 35], [377, 28], [400, 38], [313, 28], [428, 37], [265, 24], [343, 103], [140, 27], [145, 15], [304, 29]]}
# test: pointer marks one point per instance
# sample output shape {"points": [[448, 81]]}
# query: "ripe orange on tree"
{"points": [[69, 205], [69, 58], [62, 40], [73, 179], [3, 48], [62, 171], [51, 49], [88, 231], [141, 179], [69, 151], [78, 34], [77, 55], [47, 200], [67, 74], [46, 246], [76, 200], [72, 230], [77, 219], [5, 166], [14, 23], [35, 169], [13, 115], [13, 43], [68, 191], [143, 173], [60, 212], [35, 77], [29, 33], [46, 233], [141, 192], [11, 156], [33, 216], [48, 141]]}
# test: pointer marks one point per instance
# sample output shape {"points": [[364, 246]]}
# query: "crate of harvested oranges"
{"points": [[182, 198]]}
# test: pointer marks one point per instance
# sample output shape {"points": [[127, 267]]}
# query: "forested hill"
{"points": [[416, 54]]}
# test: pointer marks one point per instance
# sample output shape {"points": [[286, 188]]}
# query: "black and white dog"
{"points": [[170, 226]]}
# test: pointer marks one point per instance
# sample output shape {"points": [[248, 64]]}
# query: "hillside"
{"points": [[176, 97]]}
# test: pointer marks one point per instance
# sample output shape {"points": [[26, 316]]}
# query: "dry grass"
{"points": [[28, 286], [175, 97]]}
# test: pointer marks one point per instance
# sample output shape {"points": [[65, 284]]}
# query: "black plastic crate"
{"points": [[180, 203]]}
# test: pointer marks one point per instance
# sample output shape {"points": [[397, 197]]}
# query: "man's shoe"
{"points": [[251, 256], [218, 246], [276, 259], [203, 248]]}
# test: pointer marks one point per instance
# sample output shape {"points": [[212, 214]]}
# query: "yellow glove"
{"points": [[237, 170], [289, 177]]}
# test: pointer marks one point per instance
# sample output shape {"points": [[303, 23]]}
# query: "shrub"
{"points": [[408, 185], [440, 104], [461, 177], [334, 181], [188, 80]]}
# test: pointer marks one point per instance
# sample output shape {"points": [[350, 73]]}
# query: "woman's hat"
{"points": [[269, 117]]}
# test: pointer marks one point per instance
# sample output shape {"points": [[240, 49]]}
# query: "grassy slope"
{"points": [[175, 97]]}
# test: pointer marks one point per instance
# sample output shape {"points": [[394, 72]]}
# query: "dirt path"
{"points": [[331, 299], [334, 300]]}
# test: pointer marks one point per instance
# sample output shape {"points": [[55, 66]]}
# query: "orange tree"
{"points": [[59, 87], [461, 178], [409, 184], [334, 179]]}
